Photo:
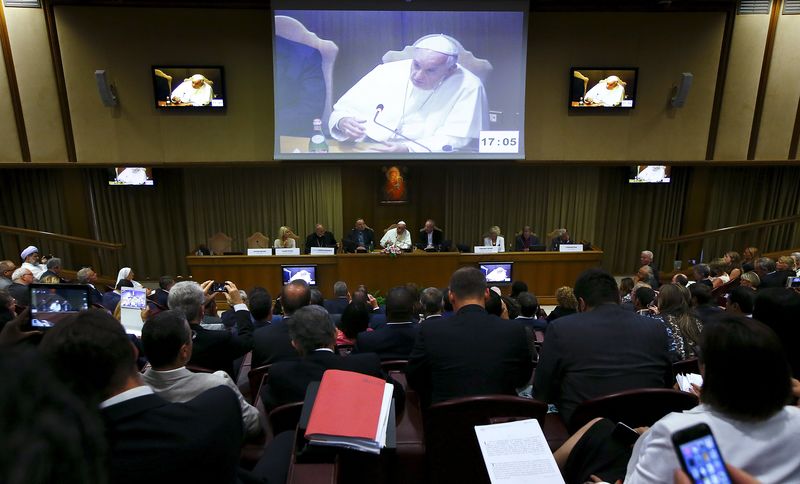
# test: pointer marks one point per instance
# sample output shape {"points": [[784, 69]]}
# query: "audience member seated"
{"points": [[54, 270], [167, 342], [228, 317], [341, 298], [779, 308], [316, 299], [626, 285], [32, 261], [360, 239], [566, 304], [754, 429], [518, 287], [127, 273], [214, 350], [111, 299], [495, 305], [749, 257], [561, 237], [767, 271], [161, 294], [432, 302], [377, 314], [20, 280], [395, 339], [88, 277], [528, 308], [526, 241], [260, 308], [210, 319], [680, 279], [472, 353], [644, 300], [684, 329], [741, 300], [513, 308], [7, 268], [272, 342], [702, 275], [320, 238], [355, 319], [312, 334], [431, 238], [702, 302], [601, 350], [785, 264], [734, 261], [719, 272], [796, 257], [495, 238], [751, 280], [645, 276], [646, 259]]}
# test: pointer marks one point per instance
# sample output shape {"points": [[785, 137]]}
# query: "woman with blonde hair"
{"points": [[683, 328], [751, 279], [749, 257], [286, 239], [495, 238], [567, 304]]}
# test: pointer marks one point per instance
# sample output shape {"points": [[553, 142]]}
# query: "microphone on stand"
{"points": [[378, 110]]}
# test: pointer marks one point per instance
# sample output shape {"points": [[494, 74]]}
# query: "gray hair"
{"points": [[310, 327], [648, 253], [83, 275], [20, 273], [53, 263], [340, 289], [766, 264], [188, 298], [432, 301]]}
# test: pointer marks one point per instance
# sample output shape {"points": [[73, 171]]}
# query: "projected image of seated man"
{"points": [[195, 90], [427, 103], [608, 92]]}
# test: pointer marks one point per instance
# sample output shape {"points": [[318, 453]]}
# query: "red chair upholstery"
{"points": [[256, 378], [636, 408], [452, 449]]}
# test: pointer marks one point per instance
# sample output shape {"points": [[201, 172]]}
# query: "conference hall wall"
{"points": [[127, 41]]}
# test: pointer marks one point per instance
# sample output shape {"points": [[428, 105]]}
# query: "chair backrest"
{"points": [[718, 294], [290, 28], [690, 365], [393, 226], [394, 365], [219, 243], [480, 67], [256, 376], [258, 241], [344, 350], [451, 445], [636, 408], [285, 417]]}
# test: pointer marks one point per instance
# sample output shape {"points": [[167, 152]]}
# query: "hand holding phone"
{"points": [[699, 455]]}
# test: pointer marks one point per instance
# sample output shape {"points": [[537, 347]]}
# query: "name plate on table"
{"points": [[570, 248], [259, 251], [486, 249], [294, 251], [323, 251]]}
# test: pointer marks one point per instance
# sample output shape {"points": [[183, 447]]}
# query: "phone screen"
{"points": [[133, 298], [218, 287], [703, 461], [53, 303]]}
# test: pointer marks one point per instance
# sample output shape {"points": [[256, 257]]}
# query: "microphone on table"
{"points": [[378, 110]]}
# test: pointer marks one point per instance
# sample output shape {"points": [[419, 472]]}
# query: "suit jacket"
{"points": [[351, 240], [161, 296], [110, 300], [288, 380], [596, 353], [519, 243], [472, 353], [422, 238], [216, 350], [775, 279], [336, 305], [152, 440], [327, 240], [556, 243], [21, 293], [391, 341], [533, 323], [272, 343], [299, 87], [95, 296]]}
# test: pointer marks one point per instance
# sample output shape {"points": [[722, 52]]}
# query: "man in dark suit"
{"points": [[526, 241], [299, 87], [395, 339], [702, 275], [472, 353], [213, 349], [161, 295], [528, 307], [272, 342], [150, 439], [87, 276], [320, 238], [360, 238], [313, 335], [646, 259], [341, 298], [432, 302], [703, 304], [767, 270], [431, 237], [602, 349], [562, 237]]}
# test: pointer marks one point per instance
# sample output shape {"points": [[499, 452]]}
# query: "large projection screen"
{"points": [[420, 80]]}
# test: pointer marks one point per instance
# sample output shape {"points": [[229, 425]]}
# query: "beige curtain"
{"points": [[148, 220], [33, 199], [241, 201], [595, 204]]}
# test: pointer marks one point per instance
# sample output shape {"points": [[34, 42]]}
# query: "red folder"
{"points": [[348, 405]]}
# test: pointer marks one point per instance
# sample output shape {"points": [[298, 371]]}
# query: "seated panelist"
{"points": [[431, 238], [495, 238], [526, 241], [320, 238]]}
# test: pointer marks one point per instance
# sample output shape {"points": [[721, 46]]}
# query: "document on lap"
{"points": [[517, 453]]}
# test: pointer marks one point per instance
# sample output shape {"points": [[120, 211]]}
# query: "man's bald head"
{"points": [[294, 296]]}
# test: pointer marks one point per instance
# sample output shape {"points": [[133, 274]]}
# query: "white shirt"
{"points": [[197, 97], [768, 450], [36, 269], [127, 395], [290, 244], [500, 243], [600, 94], [452, 114], [391, 237]]}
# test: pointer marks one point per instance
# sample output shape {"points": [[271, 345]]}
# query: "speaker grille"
{"points": [[791, 7], [747, 7]]}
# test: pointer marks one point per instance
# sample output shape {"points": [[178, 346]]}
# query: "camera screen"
{"points": [[49, 304]]}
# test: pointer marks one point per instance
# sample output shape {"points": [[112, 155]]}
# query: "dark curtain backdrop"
{"points": [[33, 199]]}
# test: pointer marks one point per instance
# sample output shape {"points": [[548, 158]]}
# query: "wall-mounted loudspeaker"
{"points": [[106, 90], [682, 90]]}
